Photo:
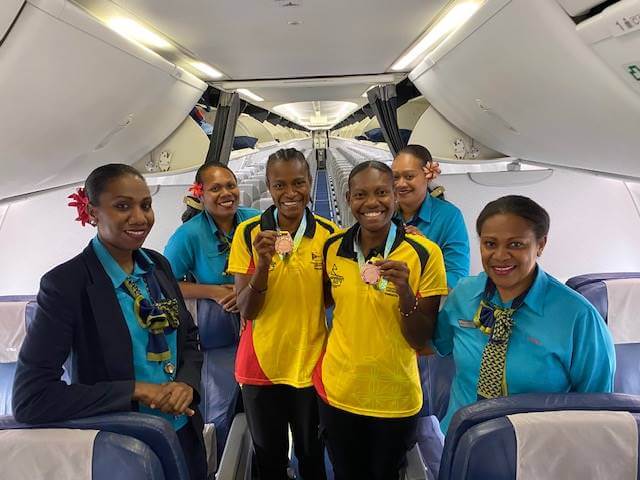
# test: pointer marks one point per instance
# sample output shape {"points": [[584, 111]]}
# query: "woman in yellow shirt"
{"points": [[386, 286], [277, 260]]}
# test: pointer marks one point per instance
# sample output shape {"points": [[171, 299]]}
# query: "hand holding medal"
{"points": [[265, 245], [395, 272]]}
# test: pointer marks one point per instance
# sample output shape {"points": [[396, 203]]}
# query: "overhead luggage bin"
{"points": [[118, 99], [578, 7], [614, 35], [518, 78]]}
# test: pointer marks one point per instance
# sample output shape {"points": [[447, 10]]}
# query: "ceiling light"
{"points": [[208, 70], [249, 94], [132, 30], [294, 22], [456, 17]]}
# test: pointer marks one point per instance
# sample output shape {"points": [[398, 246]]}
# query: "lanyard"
{"points": [[391, 236], [297, 238]]}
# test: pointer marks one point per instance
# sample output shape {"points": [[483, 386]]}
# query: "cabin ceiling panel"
{"points": [[303, 94], [251, 39]]}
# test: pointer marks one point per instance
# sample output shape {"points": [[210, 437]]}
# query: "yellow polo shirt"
{"points": [[368, 368], [283, 343]]}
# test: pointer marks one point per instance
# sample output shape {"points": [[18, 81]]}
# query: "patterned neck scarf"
{"points": [[498, 323], [159, 317]]}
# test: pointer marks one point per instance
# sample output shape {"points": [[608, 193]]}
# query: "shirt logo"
{"points": [[316, 260], [335, 277]]}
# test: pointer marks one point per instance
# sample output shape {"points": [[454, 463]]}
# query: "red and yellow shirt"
{"points": [[282, 344]]}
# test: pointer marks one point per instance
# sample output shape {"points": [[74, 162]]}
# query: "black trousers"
{"points": [[366, 448], [194, 454], [270, 409]]}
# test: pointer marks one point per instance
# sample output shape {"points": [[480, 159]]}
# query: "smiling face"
{"points": [[123, 216], [509, 250], [410, 181], [372, 199], [290, 187], [220, 192]]}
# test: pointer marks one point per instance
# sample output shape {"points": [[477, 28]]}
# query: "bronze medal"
{"points": [[284, 243], [370, 274]]}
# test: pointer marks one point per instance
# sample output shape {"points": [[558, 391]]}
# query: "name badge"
{"points": [[466, 323]]}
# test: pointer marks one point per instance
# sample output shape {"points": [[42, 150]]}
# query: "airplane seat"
{"points": [[616, 296], [518, 436], [235, 463], [260, 184], [262, 203], [436, 375], [248, 193], [219, 336], [126, 446], [15, 313]]}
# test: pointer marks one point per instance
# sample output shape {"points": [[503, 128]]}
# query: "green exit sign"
{"points": [[634, 70]]}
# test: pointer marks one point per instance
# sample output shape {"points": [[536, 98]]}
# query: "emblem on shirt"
{"points": [[335, 277], [391, 290], [316, 260]]}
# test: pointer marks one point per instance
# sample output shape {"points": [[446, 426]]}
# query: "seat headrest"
{"points": [[623, 299], [217, 328], [13, 320], [583, 444]]}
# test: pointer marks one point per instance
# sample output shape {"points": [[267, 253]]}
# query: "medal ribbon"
{"points": [[391, 236], [297, 238]]}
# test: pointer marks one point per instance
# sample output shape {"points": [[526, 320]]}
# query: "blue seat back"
{"points": [[594, 288], [156, 444], [481, 441], [219, 392], [8, 368], [119, 457]]}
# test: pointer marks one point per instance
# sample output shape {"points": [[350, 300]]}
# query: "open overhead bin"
{"points": [[520, 79], [75, 95]]}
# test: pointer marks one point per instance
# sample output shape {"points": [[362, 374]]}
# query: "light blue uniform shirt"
{"points": [[144, 370], [442, 222], [196, 247], [559, 342]]}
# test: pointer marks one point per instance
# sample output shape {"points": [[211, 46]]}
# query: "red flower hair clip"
{"points": [[196, 189], [432, 170], [81, 203]]}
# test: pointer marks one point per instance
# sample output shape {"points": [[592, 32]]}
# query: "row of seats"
{"points": [[146, 447], [252, 180], [341, 159]]}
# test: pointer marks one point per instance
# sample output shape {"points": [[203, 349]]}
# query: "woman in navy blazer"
{"points": [[83, 310]]}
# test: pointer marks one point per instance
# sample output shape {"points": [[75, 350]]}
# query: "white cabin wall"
{"points": [[39, 232], [595, 224]]}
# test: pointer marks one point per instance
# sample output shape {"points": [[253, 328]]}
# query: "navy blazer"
{"points": [[78, 312]]}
